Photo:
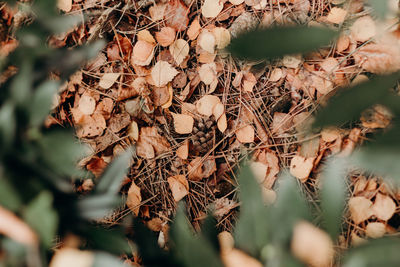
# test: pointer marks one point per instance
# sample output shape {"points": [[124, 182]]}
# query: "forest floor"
{"points": [[165, 85]]}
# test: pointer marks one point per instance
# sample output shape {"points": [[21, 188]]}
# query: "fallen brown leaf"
{"points": [[179, 186], [375, 229], [179, 50], [211, 8], [300, 167], [176, 15], [134, 198], [183, 151], [206, 104], [245, 134], [162, 73], [165, 36], [383, 207], [142, 53], [183, 123], [360, 209], [151, 143]]}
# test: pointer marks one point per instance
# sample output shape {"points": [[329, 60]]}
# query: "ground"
{"points": [[165, 85]]}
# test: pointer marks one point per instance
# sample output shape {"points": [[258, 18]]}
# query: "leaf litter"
{"points": [[165, 84]]}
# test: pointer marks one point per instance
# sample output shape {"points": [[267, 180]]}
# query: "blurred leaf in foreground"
{"points": [[251, 232], [193, 250], [379, 252], [333, 195], [279, 41], [348, 104]]}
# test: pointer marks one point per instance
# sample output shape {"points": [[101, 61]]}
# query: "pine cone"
{"points": [[203, 135]]}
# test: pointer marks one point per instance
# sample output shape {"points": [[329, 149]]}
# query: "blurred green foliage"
{"points": [[37, 165]]}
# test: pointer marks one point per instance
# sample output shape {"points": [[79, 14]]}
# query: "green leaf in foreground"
{"points": [[289, 208], [251, 232], [379, 252], [42, 217], [192, 250], [349, 103], [279, 41], [111, 180], [333, 195], [379, 7]]}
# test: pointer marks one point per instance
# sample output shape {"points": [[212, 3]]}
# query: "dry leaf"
{"points": [[222, 37], [208, 73], [222, 123], [223, 206], [330, 134], [378, 58], [329, 64], [64, 5], [151, 143], [67, 257], [383, 207], [292, 61], [375, 229], [14, 228], [237, 258], [96, 165], [108, 79], [211, 8], [165, 36], [162, 73], [134, 198], [363, 29], [183, 151], [248, 82], [157, 12], [145, 35], [91, 126], [236, 2], [312, 245], [252, 2], [356, 240], [179, 50], [170, 98], [218, 110], [281, 122], [207, 41], [195, 169], [323, 85], [342, 43], [206, 104], [86, 104], [176, 15], [133, 131], [245, 134], [119, 122], [360, 209], [194, 29], [301, 167], [160, 95], [142, 53], [183, 123], [179, 186], [276, 75], [270, 158], [336, 15]]}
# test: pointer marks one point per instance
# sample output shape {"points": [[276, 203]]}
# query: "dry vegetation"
{"points": [[165, 85]]}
